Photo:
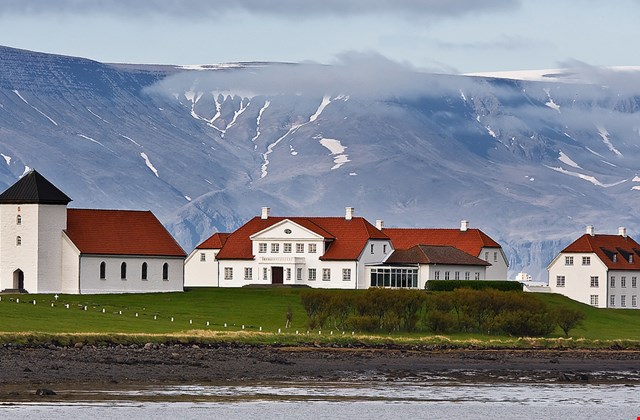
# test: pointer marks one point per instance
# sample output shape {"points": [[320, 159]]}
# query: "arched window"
{"points": [[103, 270], [144, 271], [18, 220], [123, 270], [18, 240], [165, 271]]}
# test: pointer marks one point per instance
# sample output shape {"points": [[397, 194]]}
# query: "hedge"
{"points": [[451, 285]]}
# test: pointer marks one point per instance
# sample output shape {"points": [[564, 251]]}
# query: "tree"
{"points": [[567, 318]]}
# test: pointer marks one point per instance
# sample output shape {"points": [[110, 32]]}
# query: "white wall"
{"points": [[578, 278], [428, 270], [381, 251], [70, 267], [499, 265], [52, 221], [198, 273], [618, 292], [90, 282], [23, 257]]}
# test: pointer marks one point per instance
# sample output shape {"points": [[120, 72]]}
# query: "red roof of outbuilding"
{"points": [[347, 237], [120, 232], [470, 241], [215, 241], [606, 246]]}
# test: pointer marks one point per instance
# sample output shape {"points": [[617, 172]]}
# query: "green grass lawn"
{"points": [[253, 308]]}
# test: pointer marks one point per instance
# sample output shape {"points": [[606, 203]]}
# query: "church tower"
{"points": [[33, 214]]}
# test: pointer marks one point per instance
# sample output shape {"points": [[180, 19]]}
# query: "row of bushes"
{"points": [[451, 285], [463, 310]]}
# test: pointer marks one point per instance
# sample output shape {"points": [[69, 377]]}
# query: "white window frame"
{"points": [[299, 273], [634, 301], [248, 273], [612, 281], [265, 273], [623, 281], [477, 276], [595, 281], [228, 273], [275, 248], [326, 274], [346, 274], [312, 274], [262, 247], [299, 248], [288, 277], [634, 282], [561, 281], [313, 248], [594, 300], [286, 248], [612, 301], [586, 260], [568, 260], [623, 301], [203, 257], [436, 275]]}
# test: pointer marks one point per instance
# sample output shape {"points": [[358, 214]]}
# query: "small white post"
{"points": [[279, 331], [171, 319], [297, 332], [136, 314], [207, 323], [155, 317], [225, 325], [260, 328], [17, 300], [104, 310], [190, 321], [331, 333], [119, 312], [34, 302], [243, 326], [319, 332], [52, 305], [85, 308]]}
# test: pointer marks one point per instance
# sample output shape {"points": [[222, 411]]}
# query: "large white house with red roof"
{"points": [[47, 248], [599, 270], [338, 252]]}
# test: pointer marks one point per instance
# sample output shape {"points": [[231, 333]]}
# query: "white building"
{"points": [[469, 240], [201, 266], [599, 270], [47, 248]]}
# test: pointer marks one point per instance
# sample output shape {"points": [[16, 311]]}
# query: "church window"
{"points": [[103, 270], [123, 271], [18, 220], [165, 271], [144, 271], [18, 240]]}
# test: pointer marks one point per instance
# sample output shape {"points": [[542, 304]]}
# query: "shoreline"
{"points": [[23, 369]]}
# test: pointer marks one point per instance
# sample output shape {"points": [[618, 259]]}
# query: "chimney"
{"points": [[622, 231], [590, 230], [379, 224], [266, 211], [464, 225], [349, 211]]}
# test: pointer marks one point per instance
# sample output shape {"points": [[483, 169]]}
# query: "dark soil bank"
{"points": [[159, 364]]}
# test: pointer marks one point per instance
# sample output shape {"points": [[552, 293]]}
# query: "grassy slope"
{"points": [[253, 308]]}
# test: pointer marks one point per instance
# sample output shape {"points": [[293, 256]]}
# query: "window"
{"points": [[623, 301], [18, 240], [299, 248], [103, 270], [467, 275], [326, 274], [18, 220], [457, 275], [623, 281], [394, 277], [634, 282], [346, 274], [288, 274], [248, 273], [265, 273], [312, 274], [312, 248], [568, 260], [477, 276], [203, 257], [634, 301], [436, 275], [630, 258], [495, 256], [228, 273], [613, 281], [371, 248], [615, 258], [262, 247], [560, 281], [594, 300], [612, 300], [123, 270], [594, 281], [486, 256], [143, 274], [446, 275], [586, 260], [287, 249], [299, 274], [275, 248], [384, 248], [165, 271]]}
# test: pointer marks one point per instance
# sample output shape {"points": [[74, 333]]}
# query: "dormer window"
{"points": [[615, 257], [630, 258], [18, 220]]}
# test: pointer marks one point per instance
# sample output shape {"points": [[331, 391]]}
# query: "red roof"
{"points": [[120, 232], [216, 241], [347, 237], [470, 241], [609, 248], [434, 254]]}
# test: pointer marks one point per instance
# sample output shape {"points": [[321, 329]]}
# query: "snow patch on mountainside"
{"points": [[326, 100], [337, 150], [589, 178], [567, 160], [550, 102], [264, 108], [149, 164], [131, 140], [605, 138], [97, 116], [94, 141], [36, 109], [6, 158]]}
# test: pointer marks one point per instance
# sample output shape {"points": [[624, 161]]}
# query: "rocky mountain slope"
{"points": [[529, 162]]}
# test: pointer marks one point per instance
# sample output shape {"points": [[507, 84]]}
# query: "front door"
{"points": [[277, 276], [18, 280]]}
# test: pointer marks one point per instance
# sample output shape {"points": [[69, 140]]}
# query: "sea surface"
{"points": [[356, 399]]}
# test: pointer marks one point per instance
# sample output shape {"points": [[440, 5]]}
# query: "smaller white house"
{"points": [[201, 266], [413, 267], [599, 270]]}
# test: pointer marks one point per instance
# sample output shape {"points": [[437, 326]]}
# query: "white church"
{"points": [[46, 247]]}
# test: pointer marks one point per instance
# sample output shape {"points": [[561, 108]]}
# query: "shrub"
{"points": [[365, 323], [567, 318], [439, 321], [450, 285], [316, 304]]}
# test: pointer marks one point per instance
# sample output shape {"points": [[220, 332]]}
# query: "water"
{"points": [[340, 400]]}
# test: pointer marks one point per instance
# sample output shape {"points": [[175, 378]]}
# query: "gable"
{"points": [[287, 230], [617, 252]]}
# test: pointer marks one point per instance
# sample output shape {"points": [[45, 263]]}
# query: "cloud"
{"points": [[505, 42], [352, 73], [208, 8], [624, 80]]}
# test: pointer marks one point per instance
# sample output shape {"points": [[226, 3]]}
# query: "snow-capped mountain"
{"points": [[529, 162]]}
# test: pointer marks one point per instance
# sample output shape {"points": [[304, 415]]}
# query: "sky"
{"points": [[445, 36]]}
